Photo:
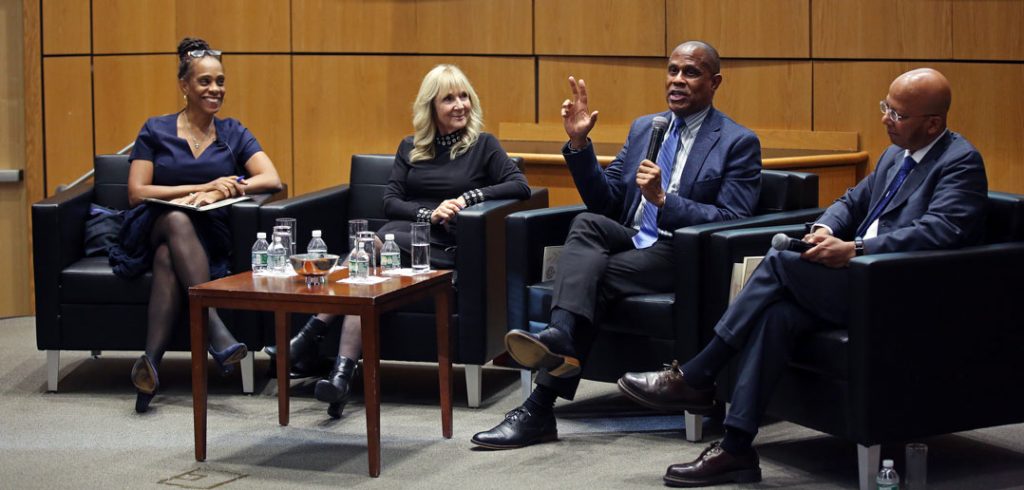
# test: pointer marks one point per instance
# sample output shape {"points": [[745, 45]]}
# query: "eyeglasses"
{"points": [[895, 116], [199, 53]]}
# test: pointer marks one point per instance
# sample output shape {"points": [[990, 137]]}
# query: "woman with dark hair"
{"points": [[448, 164], [190, 157]]}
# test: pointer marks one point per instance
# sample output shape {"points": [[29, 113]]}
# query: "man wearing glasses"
{"points": [[928, 191]]}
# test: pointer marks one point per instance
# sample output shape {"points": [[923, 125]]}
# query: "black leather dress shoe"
{"points": [[519, 429], [550, 349], [715, 466], [667, 390]]}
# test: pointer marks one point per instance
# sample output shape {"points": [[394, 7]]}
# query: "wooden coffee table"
{"points": [[284, 296]]}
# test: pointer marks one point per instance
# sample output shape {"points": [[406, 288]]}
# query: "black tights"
{"points": [[178, 263]]}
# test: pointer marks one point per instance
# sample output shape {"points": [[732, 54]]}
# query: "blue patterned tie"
{"points": [[666, 160], [894, 186]]}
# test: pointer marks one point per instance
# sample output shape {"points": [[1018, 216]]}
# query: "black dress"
{"points": [[426, 183]]}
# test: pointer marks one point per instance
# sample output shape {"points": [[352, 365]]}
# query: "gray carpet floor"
{"points": [[88, 436]]}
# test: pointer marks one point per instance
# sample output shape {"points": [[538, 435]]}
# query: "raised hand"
{"points": [[576, 115]]}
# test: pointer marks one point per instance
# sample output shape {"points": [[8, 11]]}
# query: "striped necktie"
{"points": [[666, 160]]}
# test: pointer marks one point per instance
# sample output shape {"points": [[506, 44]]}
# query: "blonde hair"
{"points": [[442, 79]]}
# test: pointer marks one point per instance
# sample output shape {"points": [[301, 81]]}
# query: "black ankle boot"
{"points": [[303, 348], [335, 388]]}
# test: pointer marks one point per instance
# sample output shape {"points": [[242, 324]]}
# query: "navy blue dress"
{"points": [[174, 164]]}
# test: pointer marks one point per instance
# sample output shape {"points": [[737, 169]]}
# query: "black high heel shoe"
{"points": [[227, 358], [146, 380], [335, 389]]}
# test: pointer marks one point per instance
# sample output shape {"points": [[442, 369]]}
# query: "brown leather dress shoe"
{"points": [[715, 466], [667, 390]]}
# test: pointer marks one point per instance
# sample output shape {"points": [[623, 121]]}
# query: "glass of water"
{"points": [[293, 232], [285, 233], [368, 241], [354, 227], [420, 247]]}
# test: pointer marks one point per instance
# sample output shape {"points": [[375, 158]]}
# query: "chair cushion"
{"points": [[92, 281], [825, 352], [654, 310]]}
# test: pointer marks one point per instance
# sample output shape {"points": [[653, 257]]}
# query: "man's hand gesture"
{"points": [[576, 115]]}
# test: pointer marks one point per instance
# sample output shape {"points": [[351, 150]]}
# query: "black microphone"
{"points": [[782, 242], [658, 127]]}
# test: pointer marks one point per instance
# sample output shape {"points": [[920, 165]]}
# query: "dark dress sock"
{"points": [[563, 320], [737, 441], [541, 401], [702, 370]]}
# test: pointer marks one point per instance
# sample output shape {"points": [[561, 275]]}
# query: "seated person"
{"points": [[928, 192], [448, 164], [189, 157], [708, 169]]}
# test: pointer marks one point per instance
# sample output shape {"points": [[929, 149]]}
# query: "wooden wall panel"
{"points": [[379, 26], [362, 104], [742, 28], [235, 25], [621, 89], [766, 94], [988, 30], [600, 27], [65, 27], [133, 26], [474, 27], [129, 90], [68, 115], [259, 95], [16, 288], [892, 29]]}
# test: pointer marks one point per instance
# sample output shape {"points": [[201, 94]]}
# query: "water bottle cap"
{"points": [[316, 233], [262, 235], [389, 236], [887, 463]]}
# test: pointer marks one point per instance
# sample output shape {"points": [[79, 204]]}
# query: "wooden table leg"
{"points": [[371, 386], [197, 320], [442, 307], [282, 329]]}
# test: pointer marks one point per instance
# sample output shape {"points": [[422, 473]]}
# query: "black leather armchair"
{"points": [[409, 334], [82, 305], [934, 343], [622, 343]]}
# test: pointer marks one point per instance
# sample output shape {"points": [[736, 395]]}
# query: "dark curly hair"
{"points": [[184, 60]]}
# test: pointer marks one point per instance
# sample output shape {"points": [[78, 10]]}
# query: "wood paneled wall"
{"points": [[318, 80]]}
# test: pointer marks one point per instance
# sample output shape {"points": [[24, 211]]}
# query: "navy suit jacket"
{"points": [[721, 179], [941, 205]]}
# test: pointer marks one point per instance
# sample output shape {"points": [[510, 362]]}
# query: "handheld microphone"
{"points": [[658, 126], [782, 242]]}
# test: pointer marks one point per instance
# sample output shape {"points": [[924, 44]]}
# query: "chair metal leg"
{"points": [[694, 427], [247, 367], [474, 384], [525, 383], [52, 369], [867, 465], [96, 353]]}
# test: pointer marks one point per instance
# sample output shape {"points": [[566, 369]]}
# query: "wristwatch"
{"points": [[858, 246]]}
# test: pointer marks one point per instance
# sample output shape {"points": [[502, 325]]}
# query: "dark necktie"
{"points": [[666, 160], [894, 186]]}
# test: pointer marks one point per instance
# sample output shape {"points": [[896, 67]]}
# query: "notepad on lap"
{"points": [[191, 207]]}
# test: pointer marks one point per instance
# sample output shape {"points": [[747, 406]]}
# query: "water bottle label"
{"points": [[259, 258], [887, 486]]}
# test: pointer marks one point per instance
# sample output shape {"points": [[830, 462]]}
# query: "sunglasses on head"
{"points": [[199, 53]]}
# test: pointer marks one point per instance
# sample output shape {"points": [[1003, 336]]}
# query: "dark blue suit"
{"points": [[720, 181], [941, 205]]}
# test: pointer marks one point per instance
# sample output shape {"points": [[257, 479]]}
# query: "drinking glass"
{"points": [[293, 232], [420, 247], [285, 233], [368, 241], [917, 466], [354, 227]]}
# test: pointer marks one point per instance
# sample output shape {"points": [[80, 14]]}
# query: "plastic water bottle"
{"points": [[277, 256], [317, 247], [259, 253], [390, 256], [888, 479], [359, 264]]}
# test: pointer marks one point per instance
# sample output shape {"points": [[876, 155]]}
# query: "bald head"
{"points": [[926, 90], [709, 54]]}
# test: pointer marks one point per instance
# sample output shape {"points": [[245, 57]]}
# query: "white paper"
{"points": [[368, 281]]}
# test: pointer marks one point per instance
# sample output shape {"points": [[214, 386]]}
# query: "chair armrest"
{"points": [[939, 335], [481, 274], [58, 225], [528, 233], [695, 312]]}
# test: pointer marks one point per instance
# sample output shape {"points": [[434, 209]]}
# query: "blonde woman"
{"points": [[447, 165]]}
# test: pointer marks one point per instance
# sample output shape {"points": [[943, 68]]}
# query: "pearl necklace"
{"points": [[195, 142]]}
